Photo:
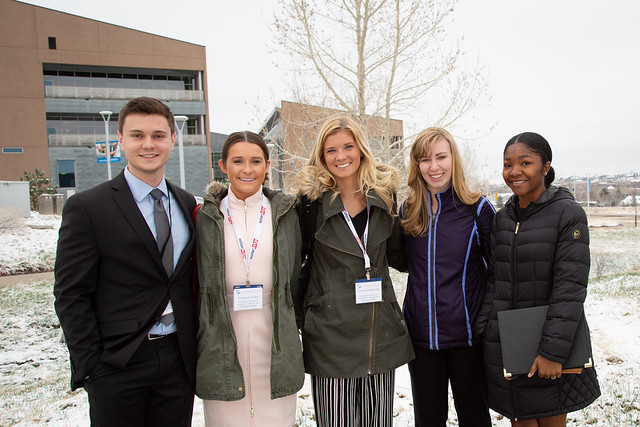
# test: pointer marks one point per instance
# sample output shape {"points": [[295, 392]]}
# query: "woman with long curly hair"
{"points": [[353, 332]]}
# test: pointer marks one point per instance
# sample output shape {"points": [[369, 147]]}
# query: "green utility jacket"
{"points": [[218, 372], [342, 339]]}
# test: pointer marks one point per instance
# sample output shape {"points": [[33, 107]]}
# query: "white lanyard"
{"points": [[254, 244], [361, 243]]}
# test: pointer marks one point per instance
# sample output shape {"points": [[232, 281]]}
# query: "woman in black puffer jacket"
{"points": [[540, 256]]}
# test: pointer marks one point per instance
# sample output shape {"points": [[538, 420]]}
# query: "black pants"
{"points": [[431, 372], [152, 390]]}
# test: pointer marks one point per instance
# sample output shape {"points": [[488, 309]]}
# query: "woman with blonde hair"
{"points": [[353, 332], [447, 227]]}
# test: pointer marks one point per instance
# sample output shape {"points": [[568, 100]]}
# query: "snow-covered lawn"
{"points": [[34, 369], [27, 250]]}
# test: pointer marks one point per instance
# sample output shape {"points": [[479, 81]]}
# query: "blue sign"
{"points": [[114, 149]]}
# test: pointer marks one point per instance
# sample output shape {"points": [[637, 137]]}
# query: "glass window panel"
{"points": [[68, 81], [12, 150], [83, 81], [66, 173]]}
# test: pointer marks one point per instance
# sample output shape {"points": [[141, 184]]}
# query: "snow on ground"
{"points": [[34, 367], [30, 248]]}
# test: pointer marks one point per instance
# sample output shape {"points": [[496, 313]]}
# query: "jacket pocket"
{"points": [[395, 316], [287, 291], [207, 310]]}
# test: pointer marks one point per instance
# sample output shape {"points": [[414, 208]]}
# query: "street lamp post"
{"points": [[180, 121], [106, 115]]}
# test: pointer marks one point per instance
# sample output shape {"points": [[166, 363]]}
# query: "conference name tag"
{"points": [[368, 291], [247, 297]]}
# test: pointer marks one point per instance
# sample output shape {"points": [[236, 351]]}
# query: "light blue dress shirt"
{"points": [[179, 228]]}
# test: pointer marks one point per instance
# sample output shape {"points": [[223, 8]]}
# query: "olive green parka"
{"points": [[218, 373], [342, 339]]}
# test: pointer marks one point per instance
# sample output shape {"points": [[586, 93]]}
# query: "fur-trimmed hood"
{"points": [[307, 183], [215, 188]]}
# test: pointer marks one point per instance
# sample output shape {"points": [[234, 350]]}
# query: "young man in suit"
{"points": [[123, 282]]}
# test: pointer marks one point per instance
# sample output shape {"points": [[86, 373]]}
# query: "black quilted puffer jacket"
{"points": [[538, 259]]}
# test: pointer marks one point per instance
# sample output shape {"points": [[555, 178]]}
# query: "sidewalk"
{"points": [[25, 278]]}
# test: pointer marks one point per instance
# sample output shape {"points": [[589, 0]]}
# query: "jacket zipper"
{"points": [[432, 280], [251, 410], [514, 299], [246, 223], [513, 267], [373, 318]]}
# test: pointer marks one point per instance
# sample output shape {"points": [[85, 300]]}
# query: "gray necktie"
{"points": [[163, 240]]}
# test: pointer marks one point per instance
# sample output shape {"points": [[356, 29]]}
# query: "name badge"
{"points": [[368, 291], [247, 297]]}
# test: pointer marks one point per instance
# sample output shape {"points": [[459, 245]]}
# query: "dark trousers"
{"points": [[431, 372], [152, 390]]}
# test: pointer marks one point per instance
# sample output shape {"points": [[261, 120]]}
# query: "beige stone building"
{"points": [[292, 129], [58, 71]]}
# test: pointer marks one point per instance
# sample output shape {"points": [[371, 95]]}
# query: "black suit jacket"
{"points": [[110, 286]]}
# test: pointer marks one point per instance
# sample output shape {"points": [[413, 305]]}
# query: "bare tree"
{"points": [[379, 58]]}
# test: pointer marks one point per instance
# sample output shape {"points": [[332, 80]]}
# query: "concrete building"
{"points": [[217, 141], [291, 131], [58, 71]]}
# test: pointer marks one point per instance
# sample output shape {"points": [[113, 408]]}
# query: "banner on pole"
{"points": [[114, 148]]}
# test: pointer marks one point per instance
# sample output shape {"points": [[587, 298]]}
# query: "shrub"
{"points": [[38, 184]]}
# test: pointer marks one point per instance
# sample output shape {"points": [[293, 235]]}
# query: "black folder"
{"points": [[520, 334]]}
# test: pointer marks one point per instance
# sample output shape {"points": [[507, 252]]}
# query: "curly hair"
{"points": [[372, 175]]}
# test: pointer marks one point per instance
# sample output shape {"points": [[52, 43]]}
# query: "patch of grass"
{"points": [[617, 286], [34, 366], [619, 405]]}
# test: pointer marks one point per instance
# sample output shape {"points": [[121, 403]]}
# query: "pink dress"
{"points": [[253, 328]]}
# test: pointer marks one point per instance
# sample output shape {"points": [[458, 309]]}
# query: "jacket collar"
{"points": [[550, 195], [216, 191]]}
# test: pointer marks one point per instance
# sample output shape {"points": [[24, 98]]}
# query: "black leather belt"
{"points": [[153, 337]]}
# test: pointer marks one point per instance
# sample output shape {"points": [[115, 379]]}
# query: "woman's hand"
{"points": [[546, 368]]}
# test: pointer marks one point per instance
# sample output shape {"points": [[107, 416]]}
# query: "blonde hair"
{"points": [[372, 175], [416, 212]]}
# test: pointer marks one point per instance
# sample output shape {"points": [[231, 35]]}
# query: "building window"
{"points": [[12, 150], [66, 173], [52, 43], [218, 175], [66, 125]]}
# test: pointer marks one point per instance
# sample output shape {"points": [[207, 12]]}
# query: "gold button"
{"points": [[239, 388]]}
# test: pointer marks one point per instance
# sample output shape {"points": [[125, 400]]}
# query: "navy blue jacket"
{"points": [[447, 273]]}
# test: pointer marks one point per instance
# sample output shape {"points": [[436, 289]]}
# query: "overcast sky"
{"points": [[567, 69]]}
